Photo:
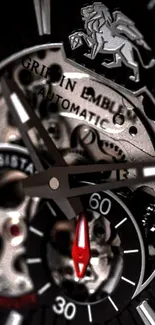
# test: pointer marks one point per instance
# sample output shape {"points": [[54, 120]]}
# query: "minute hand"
{"points": [[26, 119], [39, 184]]}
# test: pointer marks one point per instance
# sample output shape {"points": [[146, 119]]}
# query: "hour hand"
{"points": [[27, 120]]}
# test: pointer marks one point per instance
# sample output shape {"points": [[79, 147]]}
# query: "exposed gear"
{"points": [[116, 154], [113, 150]]}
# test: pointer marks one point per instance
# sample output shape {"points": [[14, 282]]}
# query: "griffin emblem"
{"points": [[112, 34]]}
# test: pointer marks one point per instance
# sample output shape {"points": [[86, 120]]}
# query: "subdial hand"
{"points": [[81, 247]]}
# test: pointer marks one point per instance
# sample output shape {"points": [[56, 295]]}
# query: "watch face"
{"points": [[77, 163]]}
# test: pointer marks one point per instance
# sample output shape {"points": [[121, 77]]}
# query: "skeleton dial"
{"points": [[77, 193]]}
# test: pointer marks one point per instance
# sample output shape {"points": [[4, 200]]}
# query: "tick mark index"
{"points": [[130, 251], [36, 231], [34, 260], [44, 288], [89, 313], [127, 280], [51, 209], [112, 302], [120, 223]]}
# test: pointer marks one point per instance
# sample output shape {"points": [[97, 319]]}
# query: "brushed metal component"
{"points": [[43, 12], [14, 318], [146, 313]]}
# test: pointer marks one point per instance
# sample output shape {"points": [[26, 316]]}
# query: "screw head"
{"points": [[86, 134], [118, 119]]}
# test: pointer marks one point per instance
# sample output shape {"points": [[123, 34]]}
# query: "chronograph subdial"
{"points": [[115, 270]]}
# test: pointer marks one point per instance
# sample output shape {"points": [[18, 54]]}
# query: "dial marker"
{"points": [[34, 260], [36, 231], [22, 114], [14, 318], [146, 313], [120, 223], [127, 280], [89, 314], [43, 16], [44, 288], [112, 302], [51, 209], [149, 171], [130, 251]]}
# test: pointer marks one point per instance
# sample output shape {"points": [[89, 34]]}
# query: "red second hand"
{"points": [[81, 246]]}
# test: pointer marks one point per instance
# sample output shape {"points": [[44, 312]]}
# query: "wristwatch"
{"points": [[77, 162]]}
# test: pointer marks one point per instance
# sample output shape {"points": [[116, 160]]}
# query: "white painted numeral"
{"points": [[61, 307], [96, 203]]}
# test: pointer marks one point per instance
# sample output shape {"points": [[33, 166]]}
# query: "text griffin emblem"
{"points": [[112, 34]]}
